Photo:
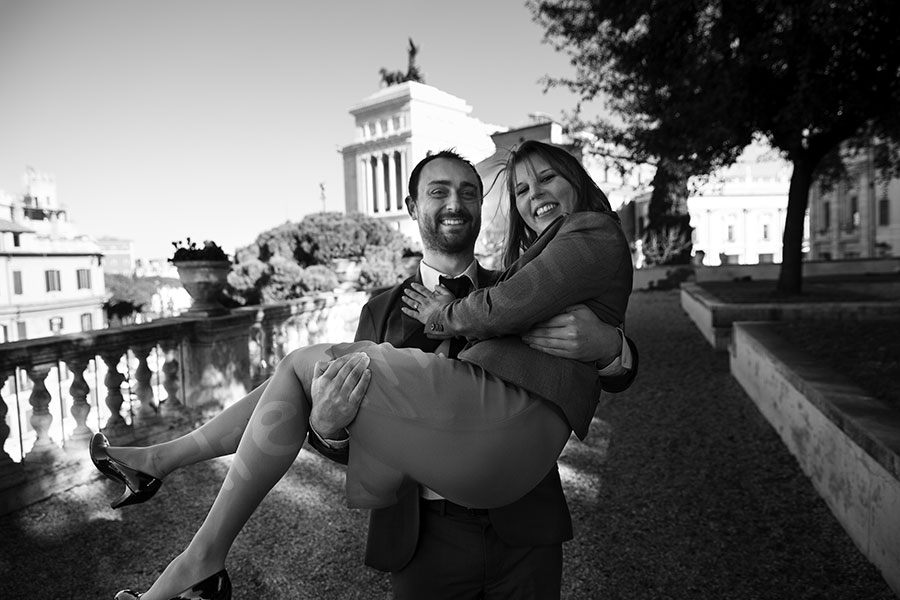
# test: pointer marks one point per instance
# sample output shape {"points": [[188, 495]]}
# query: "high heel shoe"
{"points": [[214, 587], [139, 486]]}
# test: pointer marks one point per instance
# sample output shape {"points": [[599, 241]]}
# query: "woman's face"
{"points": [[542, 194]]}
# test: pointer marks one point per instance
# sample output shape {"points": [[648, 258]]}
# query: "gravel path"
{"points": [[682, 491]]}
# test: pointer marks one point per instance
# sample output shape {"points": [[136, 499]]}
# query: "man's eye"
{"points": [[438, 192]]}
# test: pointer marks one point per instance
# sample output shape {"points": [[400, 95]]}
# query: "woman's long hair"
{"points": [[588, 196]]}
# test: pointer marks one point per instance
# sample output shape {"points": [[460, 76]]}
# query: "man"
{"points": [[432, 547]]}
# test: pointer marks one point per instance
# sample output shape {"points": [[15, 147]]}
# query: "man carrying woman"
{"points": [[482, 431]]}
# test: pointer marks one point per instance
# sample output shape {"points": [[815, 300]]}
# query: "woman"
{"points": [[504, 407]]}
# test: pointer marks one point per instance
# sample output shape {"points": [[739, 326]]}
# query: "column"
{"points": [[44, 449], [114, 398], [171, 370], [391, 201], [379, 182], [401, 181], [10, 471], [80, 406], [143, 389], [371, 196], [362, 198]]}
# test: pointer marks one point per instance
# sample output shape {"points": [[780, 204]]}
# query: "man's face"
{"points": [[448, 206]]}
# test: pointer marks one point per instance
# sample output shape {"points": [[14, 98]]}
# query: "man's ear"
{"points": [[411, 207]]}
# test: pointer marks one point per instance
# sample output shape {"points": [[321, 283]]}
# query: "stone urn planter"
{"points": [[203, 272], [204, 280]]}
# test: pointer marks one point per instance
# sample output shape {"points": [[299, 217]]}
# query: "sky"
{"points": [[219, 119]]}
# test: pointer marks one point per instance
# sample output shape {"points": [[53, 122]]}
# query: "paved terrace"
{"points": [[682, 491]]}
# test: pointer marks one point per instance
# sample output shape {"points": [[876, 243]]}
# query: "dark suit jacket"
{"points": [[541, 517]]}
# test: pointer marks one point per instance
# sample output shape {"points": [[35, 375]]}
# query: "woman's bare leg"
{"points": [[217, 437], [272, 438]]}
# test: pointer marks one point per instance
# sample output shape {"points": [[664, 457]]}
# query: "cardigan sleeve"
{"points": [[587, 260]]}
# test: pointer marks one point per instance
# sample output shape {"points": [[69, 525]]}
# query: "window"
{"points": [[16, 240], [17, 282], [51, 278], [765, 232], [730, 235], [766, 258], [56, 325], [87, 322], [21, 331], [84, 279], [884, 212], [4, 331], [826, 216], [854, 211]]}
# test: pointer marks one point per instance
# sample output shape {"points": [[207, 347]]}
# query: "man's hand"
{"points": [[337, 389], [576, 333]]}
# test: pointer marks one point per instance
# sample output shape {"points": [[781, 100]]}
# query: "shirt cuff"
{"points": [[331, 444], [620, 364]]}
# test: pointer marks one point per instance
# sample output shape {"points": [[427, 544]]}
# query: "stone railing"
{"points": [[129, 381]]}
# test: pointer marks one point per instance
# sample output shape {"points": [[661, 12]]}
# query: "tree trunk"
{"points": [[790, 279]]}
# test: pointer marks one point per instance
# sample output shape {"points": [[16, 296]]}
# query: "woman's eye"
{"points": [[548, 177], [521, 190]]}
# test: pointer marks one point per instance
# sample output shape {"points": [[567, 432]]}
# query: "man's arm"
{"points": [[333, 408], [578, 333]]}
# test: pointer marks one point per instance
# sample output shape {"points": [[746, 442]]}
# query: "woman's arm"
{"points": [[586, 260]]}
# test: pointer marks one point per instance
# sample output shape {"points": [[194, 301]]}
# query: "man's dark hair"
{"points": [[449, 154]]}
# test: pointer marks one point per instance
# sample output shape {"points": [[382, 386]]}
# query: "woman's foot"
{"points": [[210, 582], [138, 458], [139, 485]]}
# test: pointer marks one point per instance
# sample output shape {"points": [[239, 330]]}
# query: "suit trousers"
{"points": [[445, 424], [460, 557]]}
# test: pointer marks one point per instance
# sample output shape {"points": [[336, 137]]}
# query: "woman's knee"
{"points": [[302, 361]]}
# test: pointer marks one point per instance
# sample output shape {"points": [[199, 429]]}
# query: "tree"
{"points": [[294, 259], [693, 80]]}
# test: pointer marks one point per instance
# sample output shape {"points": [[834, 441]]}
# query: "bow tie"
{"points": [[460, 286]]}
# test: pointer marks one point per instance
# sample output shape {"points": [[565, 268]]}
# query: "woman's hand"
{"points": [[421, 304]]}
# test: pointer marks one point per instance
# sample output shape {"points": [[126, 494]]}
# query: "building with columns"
{"points": [[396, 127], [738, 212], [857, 217], [51, 278]]}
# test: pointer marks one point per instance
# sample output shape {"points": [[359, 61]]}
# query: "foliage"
{"points": [[294, 259], [134, 290], [188, 250], [318, 278], [382, 267], [692, 81], [129, 295]]}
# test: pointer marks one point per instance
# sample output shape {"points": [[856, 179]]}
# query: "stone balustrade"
{"points": [[146, 375]]}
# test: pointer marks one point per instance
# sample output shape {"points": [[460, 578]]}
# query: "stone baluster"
{"points": [[259, 366], [44, 449], [271, 352], [114, 398], [171, 371], [80, 405], [8, 467], [148, 409]]}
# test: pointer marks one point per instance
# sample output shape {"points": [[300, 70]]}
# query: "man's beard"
{"points": [[449, 243]]}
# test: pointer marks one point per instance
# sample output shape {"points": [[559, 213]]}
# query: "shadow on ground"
{"points": [[683, 491]]}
